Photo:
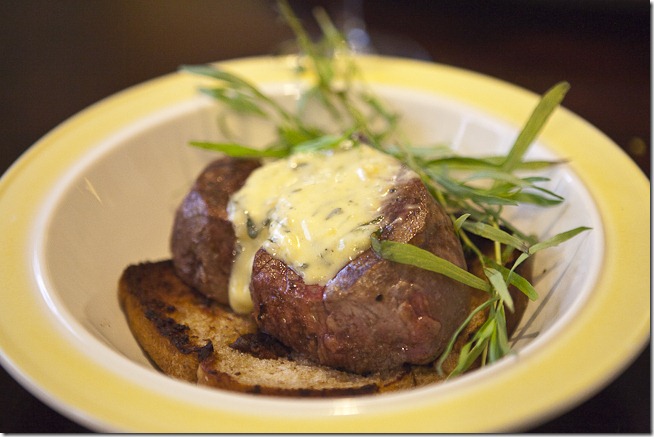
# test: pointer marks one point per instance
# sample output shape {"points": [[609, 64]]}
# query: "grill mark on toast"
{"points": [[261, 345]]}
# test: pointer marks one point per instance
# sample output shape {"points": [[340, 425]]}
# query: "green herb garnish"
{"points": [[473, 190]]}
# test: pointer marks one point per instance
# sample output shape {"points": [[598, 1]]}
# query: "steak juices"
{"points": [[289, 241]]}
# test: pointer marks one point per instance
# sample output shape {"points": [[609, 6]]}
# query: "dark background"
{"points": [[59, 56]]}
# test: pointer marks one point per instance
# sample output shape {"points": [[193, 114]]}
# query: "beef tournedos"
{"points": [[372, 316]]}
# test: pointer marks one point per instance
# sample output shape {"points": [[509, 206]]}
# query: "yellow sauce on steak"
{"points": [[314, 211]]}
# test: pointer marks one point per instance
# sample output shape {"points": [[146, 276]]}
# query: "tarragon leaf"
{"points": [[557, 239], [551, 242], [497, 281], [544, 109], [513, 278], [474, 348], [536, 199], [405, 253], [499, 342], [324, 142], [239, 151], [463, 191], [238, 102], [495, 234], [459, 221], [450, 345]]}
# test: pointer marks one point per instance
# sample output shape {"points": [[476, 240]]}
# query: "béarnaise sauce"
{"points": [[315, 211]]}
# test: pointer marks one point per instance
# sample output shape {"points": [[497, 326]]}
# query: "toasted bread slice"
{"points": [[161, 310], [198, 340]]}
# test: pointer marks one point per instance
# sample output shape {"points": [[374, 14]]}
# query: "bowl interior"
{"points": [[116, 208]]}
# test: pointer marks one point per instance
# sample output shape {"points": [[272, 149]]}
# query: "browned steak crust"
{"points": [[202, 240]]}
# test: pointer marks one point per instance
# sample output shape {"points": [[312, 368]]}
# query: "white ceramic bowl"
{"points": [[100, 191]]}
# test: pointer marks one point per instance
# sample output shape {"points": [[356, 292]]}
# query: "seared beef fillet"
{"points": [[203, 239], [375, 314]]}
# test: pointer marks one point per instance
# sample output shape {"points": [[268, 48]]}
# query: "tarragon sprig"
{"points": [[473, 190]]}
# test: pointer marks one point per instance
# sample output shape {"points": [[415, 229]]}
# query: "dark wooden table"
{"points": [[59, 56]]}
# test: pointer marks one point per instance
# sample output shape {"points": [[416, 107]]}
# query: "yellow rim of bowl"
{"points": [[612, 328]]}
